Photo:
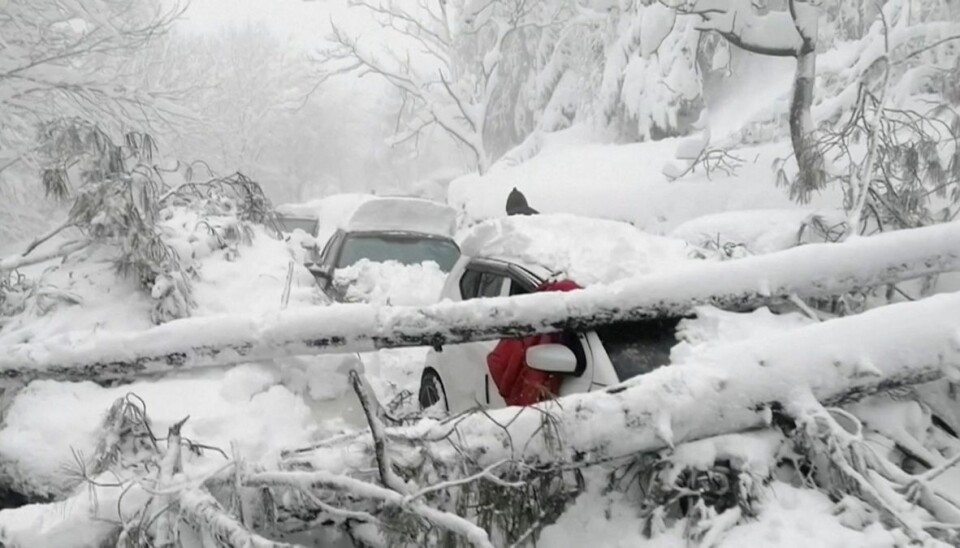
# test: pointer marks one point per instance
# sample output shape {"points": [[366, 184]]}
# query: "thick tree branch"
{"points": [[815, 270]]}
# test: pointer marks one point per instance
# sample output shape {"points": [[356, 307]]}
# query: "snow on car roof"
{"points": [[585, 250], [332, 210], [363, 212], [412, 214]]}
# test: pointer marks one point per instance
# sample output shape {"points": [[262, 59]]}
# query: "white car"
{"points": [[516, 255], [378, 229]]}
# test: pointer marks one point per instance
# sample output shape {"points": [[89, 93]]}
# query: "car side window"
{"points": [[490, 285], [517, 288], [470, 284]]}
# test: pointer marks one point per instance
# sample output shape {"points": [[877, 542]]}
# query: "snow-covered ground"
{"points": [[575, 174]]}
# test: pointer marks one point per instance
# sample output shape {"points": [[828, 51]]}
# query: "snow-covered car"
{"points": [[407, 231], [517, 255], [292, 223]]}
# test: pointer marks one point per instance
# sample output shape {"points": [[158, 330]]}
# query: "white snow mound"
{"points": [[587, 251], [758, 230], [391, 283]]}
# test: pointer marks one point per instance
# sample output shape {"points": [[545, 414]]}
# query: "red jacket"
{"points": [[517, 383]]}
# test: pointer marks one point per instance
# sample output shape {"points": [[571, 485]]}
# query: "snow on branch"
{"points": [[814, 270], [775, 33], [326, 481], [13, 263], [204, 512]]}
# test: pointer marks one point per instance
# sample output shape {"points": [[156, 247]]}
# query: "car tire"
{"points": [[432, 391]]}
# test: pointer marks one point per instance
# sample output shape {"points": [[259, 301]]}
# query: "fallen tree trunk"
{"points": [[732, 388], [808, 271]]}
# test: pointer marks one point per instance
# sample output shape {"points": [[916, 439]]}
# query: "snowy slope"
{"points": [[575, 174]]}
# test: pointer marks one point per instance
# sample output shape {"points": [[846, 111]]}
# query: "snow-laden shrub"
{"points": [[119, 200]]}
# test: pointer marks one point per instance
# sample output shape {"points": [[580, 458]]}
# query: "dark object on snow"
{"points": [[517, 204]]}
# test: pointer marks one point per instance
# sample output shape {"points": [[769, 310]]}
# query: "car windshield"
{"points": [[305, 224], [638, 347], [408, 249]]}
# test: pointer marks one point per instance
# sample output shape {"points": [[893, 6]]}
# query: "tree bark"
{"points": [[810, 177]]}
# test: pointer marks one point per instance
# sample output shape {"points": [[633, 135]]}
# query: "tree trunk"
{"points": [[811, 176]]}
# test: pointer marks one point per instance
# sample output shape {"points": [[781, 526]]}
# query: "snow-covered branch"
{"points": [[814, 270], [774, 33], [325, 481], [201, 510], [13, 263]]}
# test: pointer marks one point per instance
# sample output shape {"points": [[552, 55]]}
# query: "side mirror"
{"points": [[551, 358], [320, 272]]}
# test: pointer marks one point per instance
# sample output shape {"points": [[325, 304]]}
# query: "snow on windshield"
{"points": [[588, 251], [390, 282]]}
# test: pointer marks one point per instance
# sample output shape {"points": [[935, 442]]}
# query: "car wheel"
{"points": [[431, 391]]}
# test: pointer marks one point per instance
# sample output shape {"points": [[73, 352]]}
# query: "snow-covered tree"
{"points": [[69, 59]]}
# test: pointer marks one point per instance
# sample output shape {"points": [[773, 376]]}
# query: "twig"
{"points": [[484, 474], [322, 479]]}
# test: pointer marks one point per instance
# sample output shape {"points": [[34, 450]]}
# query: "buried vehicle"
{"points": [[405, 231], [520, 255]]}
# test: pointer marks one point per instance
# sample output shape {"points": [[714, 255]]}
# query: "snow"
{"points": [[758, 231], [230, 279], [48, 421], [798, 518], [362, 212], [333, 212], [789, 518], [712, 327], [587, 251], [575, 174], [412, 214], [390, 282]]}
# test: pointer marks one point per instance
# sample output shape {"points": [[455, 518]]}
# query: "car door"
{"points": [[324, 263], [465, 365], [522, 282]]}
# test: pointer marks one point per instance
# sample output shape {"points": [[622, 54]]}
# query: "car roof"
{"points": [[403, 214]]}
